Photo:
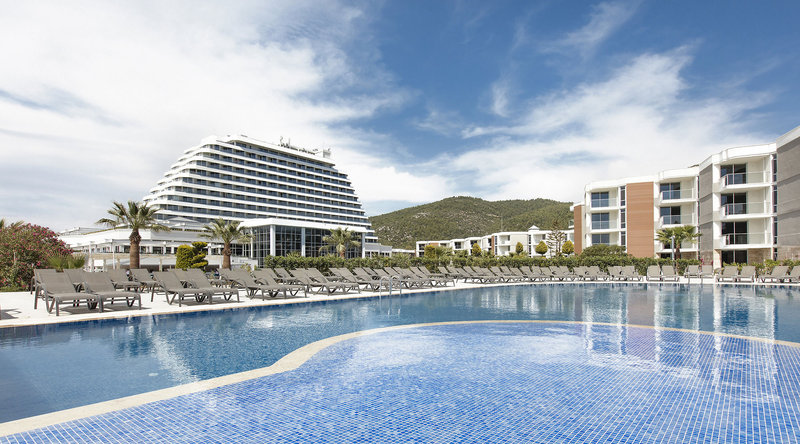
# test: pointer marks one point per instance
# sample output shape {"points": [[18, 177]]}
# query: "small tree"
{"points": [[340, 240], [227, 232], [682, 234], [191, 256], [476, 250], [430, 251], [555, 240], [519, 249], [136, 216], [541, 248], [568, 248]]}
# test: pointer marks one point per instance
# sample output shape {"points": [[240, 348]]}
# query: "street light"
{"points": [[673, 248]]}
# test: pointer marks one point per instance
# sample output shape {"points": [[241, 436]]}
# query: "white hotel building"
{"points": [[288, 197], [501, 244], [743, 201]]}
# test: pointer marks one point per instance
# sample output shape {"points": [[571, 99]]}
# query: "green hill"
{"points": [[461, 216]]}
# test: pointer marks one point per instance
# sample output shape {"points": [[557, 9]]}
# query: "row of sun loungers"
{"points": [[99, 289]]}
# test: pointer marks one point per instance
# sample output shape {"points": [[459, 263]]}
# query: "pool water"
{"points": [[54, 367]]}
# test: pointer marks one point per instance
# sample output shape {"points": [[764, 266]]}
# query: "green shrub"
{"points": [[541, 248]]}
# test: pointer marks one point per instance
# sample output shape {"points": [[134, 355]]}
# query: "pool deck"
{"points": [[16, 308]]}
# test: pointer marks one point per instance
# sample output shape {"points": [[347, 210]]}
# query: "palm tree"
{"points": [[227, 232], [682, 234], [136, 216], [4, 224], [340, 240]]}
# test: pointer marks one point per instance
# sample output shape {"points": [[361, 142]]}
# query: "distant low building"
{"points": [[501, 244]]}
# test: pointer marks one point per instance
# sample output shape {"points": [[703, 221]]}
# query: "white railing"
{"points": [[678, 220], [733, 179], [677, 194], [604, 226], [603, 203], [744, 238], [734, 209]]}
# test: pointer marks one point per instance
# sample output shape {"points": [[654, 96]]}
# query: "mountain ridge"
{"points": [[463, 216]]}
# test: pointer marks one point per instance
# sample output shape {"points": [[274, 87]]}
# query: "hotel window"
{"points": [[622, 219], [622, 196], [598, 239], [775, 230], [670, 190], [774, 167], [600, 221], [623, 239], [733, 203], [600, 199], [775, 199], [734, 233], [671, 215], [733, 174]]}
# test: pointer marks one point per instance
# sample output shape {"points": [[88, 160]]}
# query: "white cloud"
{"points": [[97, 99], [605, 19], [638, 121]]}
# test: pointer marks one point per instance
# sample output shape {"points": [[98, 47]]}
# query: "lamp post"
{"points": [[673, 249], [163, 253], [113, 255]]}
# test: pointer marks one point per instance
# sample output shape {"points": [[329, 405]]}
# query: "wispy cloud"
{"points": [[104, 96], [639, 120], [604, 20]]}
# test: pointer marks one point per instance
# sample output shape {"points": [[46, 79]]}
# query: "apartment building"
{"points": [[501, 244], [739, 200]]}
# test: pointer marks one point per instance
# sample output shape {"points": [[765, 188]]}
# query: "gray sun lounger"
{"points": [[199, 280], [778, 274], [101, 285], [171, 285], [729, 273], [264, 277], [145, 281], [747, 274], [59, 289]]}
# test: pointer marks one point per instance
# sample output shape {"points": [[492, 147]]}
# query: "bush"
{"points": [[191, 256], [568, 248], [541, 248], [604, 250], [24, 247]]}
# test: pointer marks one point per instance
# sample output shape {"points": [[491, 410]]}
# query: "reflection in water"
{"points": [[166, 350]]}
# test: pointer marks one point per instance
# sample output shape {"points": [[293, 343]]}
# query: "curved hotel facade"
{"points": [[288, 197]]}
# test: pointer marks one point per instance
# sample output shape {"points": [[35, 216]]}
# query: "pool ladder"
{"points": [[389, 279]]}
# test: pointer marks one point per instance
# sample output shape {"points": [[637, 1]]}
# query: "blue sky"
{"points": [[418, 100]]}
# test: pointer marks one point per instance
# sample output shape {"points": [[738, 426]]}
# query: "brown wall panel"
{"points": [[641, 230], [577, 217]]}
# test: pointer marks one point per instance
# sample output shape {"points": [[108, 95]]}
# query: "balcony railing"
{"points": [[603, 225], [744, 178], [744, 238], [678, 220], [734, 209], [603, 203], [677, 194]]}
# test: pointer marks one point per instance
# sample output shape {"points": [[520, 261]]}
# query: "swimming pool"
{"points": [[45, 368]]}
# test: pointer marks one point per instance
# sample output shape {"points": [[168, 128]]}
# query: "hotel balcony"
{"points": [[604, 227], [603, 204], [672, 221], [742, 211], [677, 196], [744, 240], [743, 181]]}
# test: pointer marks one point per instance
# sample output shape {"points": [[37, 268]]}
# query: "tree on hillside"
{"points": [[340, 240], [541, 248], [681, 234], [136, 216], [227, 232]]}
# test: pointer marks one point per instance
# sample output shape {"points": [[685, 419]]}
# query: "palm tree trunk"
{"points": [[135, 239], [226, 256]]}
